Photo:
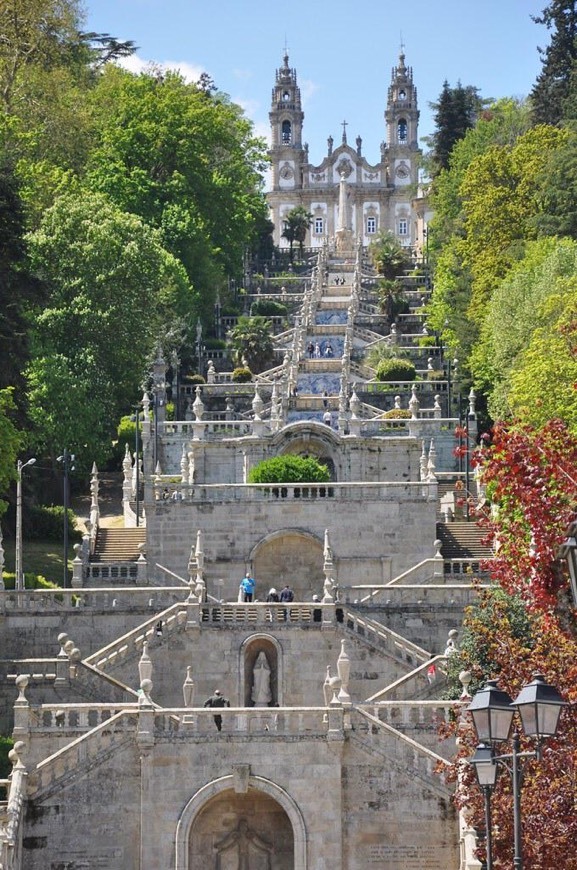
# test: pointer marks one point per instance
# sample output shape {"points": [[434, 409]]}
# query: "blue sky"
{"points": [[343, 52]]}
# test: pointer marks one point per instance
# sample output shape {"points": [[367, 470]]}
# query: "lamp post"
{"points": [[18, 567], [67, 460], [539, 707]]}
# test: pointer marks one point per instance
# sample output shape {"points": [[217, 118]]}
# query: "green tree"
{"points": [[250, 341], [558, 189], [113, 290], [552, 87], [296, 224], [11, 439], [185, 160], [391, 259], [18, 288], [455, 113], [289, 469]]}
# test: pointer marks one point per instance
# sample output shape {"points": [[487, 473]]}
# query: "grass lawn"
{"points": [[38, 557]]}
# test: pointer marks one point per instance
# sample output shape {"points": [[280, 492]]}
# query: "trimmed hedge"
{"points": [[395, 369], [241, 375], [289, 469], [269, 308]]}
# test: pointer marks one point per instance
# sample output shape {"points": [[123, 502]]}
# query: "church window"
{"points": [[286, 96], [371, 225], [402, 95], [402, 130], [403, 227], [319, 226], [286, 133]]}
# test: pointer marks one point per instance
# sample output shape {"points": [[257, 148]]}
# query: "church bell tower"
{"points": [[402, 120], [286, 119]]}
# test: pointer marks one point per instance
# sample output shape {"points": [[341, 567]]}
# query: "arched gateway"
{"points": [[241, 822]]}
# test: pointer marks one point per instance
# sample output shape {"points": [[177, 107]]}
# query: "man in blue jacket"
{"points": [[247, 585]]}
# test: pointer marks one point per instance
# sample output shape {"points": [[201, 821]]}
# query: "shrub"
{"points": [[215, 343], [6, 744], [426, 341], [31, 581], [47, 524], [194, 379], [396, 370], [397, 414], [289, 469], [241, 375], [269, 308]]}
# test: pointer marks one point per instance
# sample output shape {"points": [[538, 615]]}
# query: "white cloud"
{"points": [[242, 75], [308, 88], [136, 64]]}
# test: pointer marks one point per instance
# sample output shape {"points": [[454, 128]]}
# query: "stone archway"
{"points": [[233, 823], [290, 556]]}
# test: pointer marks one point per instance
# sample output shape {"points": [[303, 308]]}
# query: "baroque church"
{"points": [[325, 753], [380, 195]]}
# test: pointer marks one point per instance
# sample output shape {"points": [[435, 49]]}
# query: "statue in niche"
{"points": [[243, 849], [261, 694]]}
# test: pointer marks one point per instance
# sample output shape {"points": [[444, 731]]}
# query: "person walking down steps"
{"points": [[217, 700]]}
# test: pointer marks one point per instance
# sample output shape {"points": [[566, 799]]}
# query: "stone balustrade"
{"points": [[385, 639], [39, 670], [111, 598], [260, 614], [433, 594], [161, 625], [411, 685], [343, 492], [413, 715], [301, 722], [78, 717]]}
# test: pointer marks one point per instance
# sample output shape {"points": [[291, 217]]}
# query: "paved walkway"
{"points": [[109, 501]]}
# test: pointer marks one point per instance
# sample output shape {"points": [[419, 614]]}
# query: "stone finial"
{"points": [[210, 373], [355, 404], [451, 647], [145, 404], [327, 687], [198, 405], [465, 680], [397, 403], [184, 467], [145, 664], [127, 463], [22, 681], [431, 464], [472, 401], [414, 404], [334, 688], [257, 403], [423, 462], [15, 755], [188, 688], [344, 670], [145, 689]]}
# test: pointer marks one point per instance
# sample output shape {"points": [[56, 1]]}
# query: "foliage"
{"points": [[558, 189], [269, 308], [42, 523], [296, 224], [500, 199], [194, 379], [455, 113], [251, 343], [535, 488], [289, 469], [31, 581], [392, 300], [503, 641], [11, 440], [525, 338], [552, 87], [395, 369], [397, 414], [390, 258], [241, 375], [383, 350], [185, 159], [113, 287]]}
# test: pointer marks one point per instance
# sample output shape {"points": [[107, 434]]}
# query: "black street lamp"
{"points": [[67, 460], [539, 706]]}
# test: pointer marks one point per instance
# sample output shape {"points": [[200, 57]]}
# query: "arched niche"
{"points": [[309, 440], [248, 654], [292, 556], [217, 809]]}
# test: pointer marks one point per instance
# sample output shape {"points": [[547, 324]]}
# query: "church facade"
{"points": [[381, 195]]}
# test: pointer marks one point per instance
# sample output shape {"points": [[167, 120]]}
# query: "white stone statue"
{"points": [[261, 693]]}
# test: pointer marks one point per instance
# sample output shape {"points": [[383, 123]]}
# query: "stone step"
{"points": [[118, 545], [462, 540]]}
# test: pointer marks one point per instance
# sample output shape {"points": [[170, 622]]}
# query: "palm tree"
{"points": [[250, 341], [296, 223]]}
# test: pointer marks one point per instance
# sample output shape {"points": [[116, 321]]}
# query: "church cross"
{"points": [[345, 125]]}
